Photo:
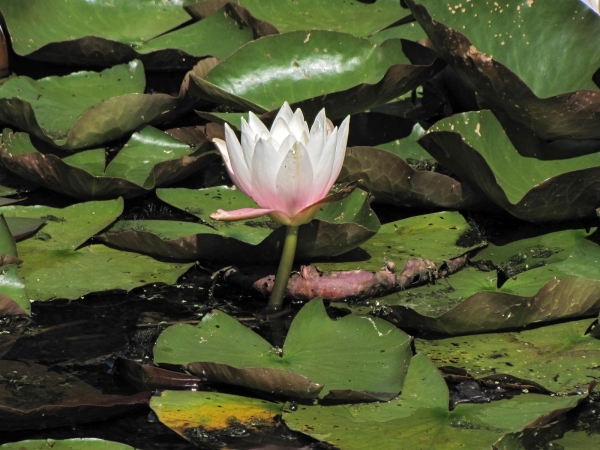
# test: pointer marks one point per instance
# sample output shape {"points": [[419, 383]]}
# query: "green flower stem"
{"points": [[285, 268]]}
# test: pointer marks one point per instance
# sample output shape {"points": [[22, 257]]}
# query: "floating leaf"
{"points": [[14, 300], [509, 56], [150, 158], [392, 180], [55, 267], [337, 228], [311, 70], [149, 378], [561, 358], [432, 236], [357, 18], [559, 266], [32, 396], [419, 418], [209, 411], [84, 108], [67, 444], [353, 356], [106, 34], [476, 147]]}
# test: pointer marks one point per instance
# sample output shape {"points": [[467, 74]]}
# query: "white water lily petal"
{"points": [[319, 124], [315, 148], [258, 128], [322, 175], [239, 170], [295, 180], [285, 113], [249, 139], [340, 150], [265, 165], [280, 130], [298, 126]]}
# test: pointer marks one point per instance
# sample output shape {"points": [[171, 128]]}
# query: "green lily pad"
{"points": [[14, 300], [106, 34], [390, 179], [353, 356], [559, 266], [54, 265], [432, 236], [510, 58], [419, 419], [477, 148], [312, 70], [337, 228], [84, 109], [411, 31], [66, 444], [407, 148], [561, 358], [357, 18], [150, 158], [210, 411]]}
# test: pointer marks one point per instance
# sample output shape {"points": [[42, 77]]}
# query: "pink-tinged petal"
{"points": [[309, 212], [240, 214], [280, 130], [322, 173], [240, 172], [285, 113], [340, 151], [265, 165], [256, 125], [295, 180]]}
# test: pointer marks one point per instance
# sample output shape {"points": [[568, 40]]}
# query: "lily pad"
{"points": [[14, 300], [157, 32], [561, 358], [54, 265], [209, 411], [432, 236], [312, 70], [477, 148], [419, 419], [390, 179], [337, 228], [510, 58], [150, 158], [32, 396], [357, 18], [560, 266], [84, 109], [67, 444], [355, 356]]}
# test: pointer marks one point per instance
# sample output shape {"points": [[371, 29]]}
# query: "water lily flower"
{"points": [[289, 170]]}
